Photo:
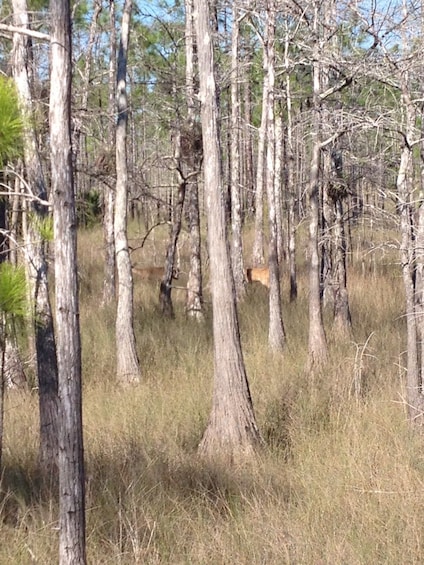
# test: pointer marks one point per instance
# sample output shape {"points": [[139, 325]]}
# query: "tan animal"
{"points": [[151, 273], [257, 274]]}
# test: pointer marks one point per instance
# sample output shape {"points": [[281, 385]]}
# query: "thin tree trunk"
{"points": [[276, 336], [342, 317], [236, 216], [232, 431], [128, 367], [414, 379], [194, 298], [2, 387], [71, 461], [290, 184], [165, 298], [109, 281], [258, 255], [317, 339], [279, 144], [247, 161], [14, 219]]}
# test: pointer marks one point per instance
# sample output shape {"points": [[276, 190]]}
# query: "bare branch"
{"points": [[25, 31]]}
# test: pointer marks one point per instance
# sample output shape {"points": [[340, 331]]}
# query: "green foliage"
{"points": [[11, 124], [13, 291], [38, 5], [44, 226], [89, 208]]}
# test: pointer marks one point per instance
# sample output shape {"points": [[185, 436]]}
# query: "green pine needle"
{"points": [[13, 291], [11, 123]]}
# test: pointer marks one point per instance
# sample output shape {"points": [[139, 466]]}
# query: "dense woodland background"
{"points": [[319, 112]]}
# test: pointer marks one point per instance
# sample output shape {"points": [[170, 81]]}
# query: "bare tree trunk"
{"points": [[342, 317], [317, 338], [109, 282], [194, 298], [71, 461], [419, 256], [14, 218], [236, 216], [419, 283], [232, 431], [165, 299], [414, 382], [276, 337], [247, 161], [128, 367], [290, 185], [2, 387], [37, 266], [258, 255], [194, 301], [279, 144], [14, 373], [327, 223]]}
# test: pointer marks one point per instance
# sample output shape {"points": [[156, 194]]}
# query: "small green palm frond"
{"points": [[11, 123], [13, 291]]}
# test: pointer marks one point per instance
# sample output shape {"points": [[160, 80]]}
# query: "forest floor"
{"points": [[340, 480]]}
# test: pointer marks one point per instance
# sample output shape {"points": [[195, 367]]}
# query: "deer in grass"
{"points": [[257, 274], [152, 274]]}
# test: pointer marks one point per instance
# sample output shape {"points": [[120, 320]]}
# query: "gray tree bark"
{"points": [[194, 298], [109, 281], [165, 297], [258, 254], [71, 462], [232, 432], [290, 190], [317, 339], [276, 335], [409, 256], [128, 366], [236, 216]]}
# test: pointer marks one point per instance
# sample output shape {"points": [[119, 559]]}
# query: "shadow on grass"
{"points": [[24, 488]]}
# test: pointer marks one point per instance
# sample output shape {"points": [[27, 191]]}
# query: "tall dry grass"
{"points": [[339, 481]]}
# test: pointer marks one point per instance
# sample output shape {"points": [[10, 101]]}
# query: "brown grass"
{"points": [[339, 481]]}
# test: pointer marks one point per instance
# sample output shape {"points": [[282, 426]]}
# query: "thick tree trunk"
{"points": [[71, 462], [128, 367], [232, 431]]}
